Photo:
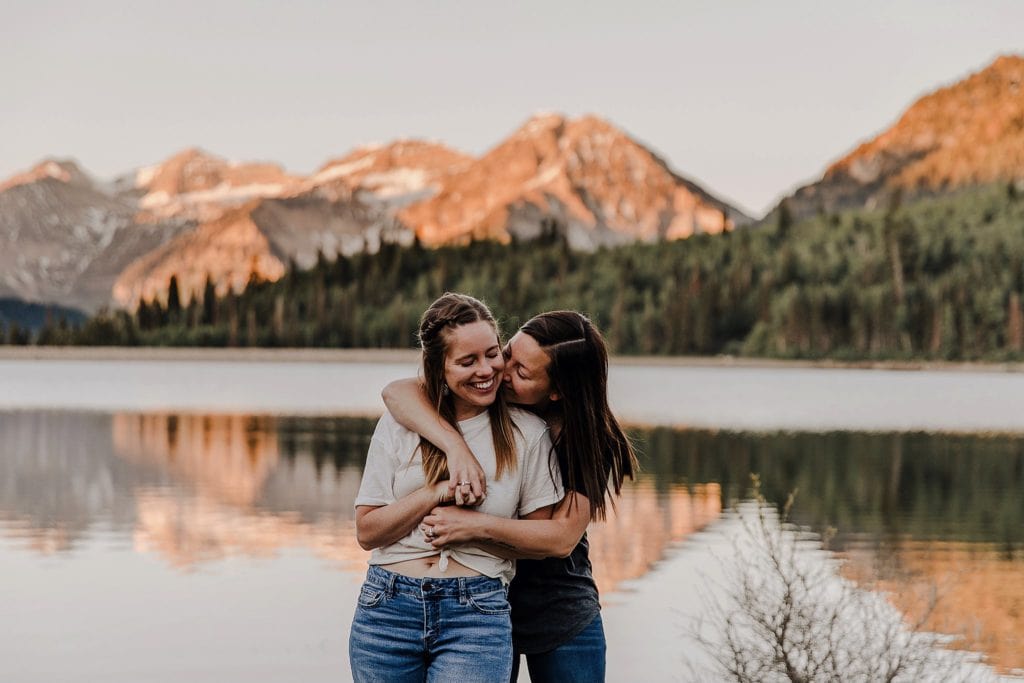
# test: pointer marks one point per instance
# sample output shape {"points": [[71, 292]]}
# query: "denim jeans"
{"points": [[409, 630], [580, 660]]}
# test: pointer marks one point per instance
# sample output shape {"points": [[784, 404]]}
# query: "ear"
{"points": [[554, 396]]}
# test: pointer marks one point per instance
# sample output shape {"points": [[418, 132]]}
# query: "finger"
{"points": [[459, 498], [477, 485]]}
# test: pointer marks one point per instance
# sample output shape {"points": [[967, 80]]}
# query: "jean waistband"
{"points": [[460, 586]]}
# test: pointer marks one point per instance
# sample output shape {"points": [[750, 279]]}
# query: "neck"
{"points": [[465, 412]]}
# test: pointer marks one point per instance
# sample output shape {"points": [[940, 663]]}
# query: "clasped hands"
{"points": [[448, 523], [468, 482]]}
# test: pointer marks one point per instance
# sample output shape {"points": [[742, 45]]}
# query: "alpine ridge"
{"points": [[70, 240], [968, 133], [587, 175]]}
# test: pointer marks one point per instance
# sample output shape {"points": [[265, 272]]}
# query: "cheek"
{"points": [[451, 375], [528, 390], [541, 390]]}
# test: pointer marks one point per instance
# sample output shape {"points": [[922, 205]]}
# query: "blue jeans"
{"points": [[580, 660], [410, 630]]}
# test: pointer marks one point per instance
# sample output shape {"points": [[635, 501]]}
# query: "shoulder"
{"points": [[530, 426], [388, 429]]}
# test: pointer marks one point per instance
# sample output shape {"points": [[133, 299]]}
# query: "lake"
{"points": [[192, 520]]}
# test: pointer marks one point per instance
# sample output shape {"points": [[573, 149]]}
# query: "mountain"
{"points": [[257, 239], [601, 185], [64, 239], [393, 175], [198, 185], [67, 239], [968, 133], [251, 221]]}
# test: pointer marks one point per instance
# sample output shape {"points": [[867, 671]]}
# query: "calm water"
{"points": [[207, 546]]}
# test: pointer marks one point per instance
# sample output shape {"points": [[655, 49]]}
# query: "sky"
{"points": [[748, 98]]}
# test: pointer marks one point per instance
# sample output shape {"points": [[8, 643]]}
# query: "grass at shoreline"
{"points": [[310, 355]]}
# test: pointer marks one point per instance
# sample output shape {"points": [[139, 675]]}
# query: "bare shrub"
{"points": [[779, 610]]}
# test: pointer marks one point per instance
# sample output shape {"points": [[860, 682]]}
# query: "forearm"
{"points": [[528, 538], [408, 404], [380, 526]]}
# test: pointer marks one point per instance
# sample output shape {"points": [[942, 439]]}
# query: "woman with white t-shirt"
{"points": [[443, 614]]}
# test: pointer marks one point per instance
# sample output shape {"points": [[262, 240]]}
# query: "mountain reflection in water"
{"points": [[196, 488], [912, 510]]}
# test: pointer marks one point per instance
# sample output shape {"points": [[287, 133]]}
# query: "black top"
{"points": [[552, 600]]}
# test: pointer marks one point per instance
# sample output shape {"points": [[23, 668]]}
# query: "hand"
{"points": [[442, 492], [468, 480], [447, 525]]}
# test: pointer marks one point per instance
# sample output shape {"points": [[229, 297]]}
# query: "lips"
{"points": [[485, 385]]}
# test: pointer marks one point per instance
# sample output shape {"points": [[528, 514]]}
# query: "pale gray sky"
{"points": [[749, 98]]}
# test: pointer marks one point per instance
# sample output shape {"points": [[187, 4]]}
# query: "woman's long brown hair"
{"points": [[438, 322], [594, 453]]}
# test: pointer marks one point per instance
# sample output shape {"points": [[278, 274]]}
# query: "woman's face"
{"points": [[526, 373], [472, 367]]}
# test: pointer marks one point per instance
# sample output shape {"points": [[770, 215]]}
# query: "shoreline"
{"points": [[318, 355]]}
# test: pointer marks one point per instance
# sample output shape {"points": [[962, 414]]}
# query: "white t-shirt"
{"points": [[394, 468]]}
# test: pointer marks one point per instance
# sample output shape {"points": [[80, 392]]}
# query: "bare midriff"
{"points": [[427, 567]]}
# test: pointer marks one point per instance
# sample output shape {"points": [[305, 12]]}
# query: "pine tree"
{"points": [[173, 299]]}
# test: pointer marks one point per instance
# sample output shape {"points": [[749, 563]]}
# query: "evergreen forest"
{"points": [[937, 278]]}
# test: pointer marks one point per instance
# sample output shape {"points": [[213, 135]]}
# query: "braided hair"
{"points": [[436, 325]]}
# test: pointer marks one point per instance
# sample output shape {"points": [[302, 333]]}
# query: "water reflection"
{"points": [[644, 523], [198, 488], [912, 513], [246, 485], [974, 591], [912, 510]]}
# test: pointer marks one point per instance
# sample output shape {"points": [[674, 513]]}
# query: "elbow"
{"points": [[556, 547], [563, 550], [566, 544], [365, 539]]}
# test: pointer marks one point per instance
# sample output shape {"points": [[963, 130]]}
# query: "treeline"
{"points": [[957, 487], [939, 278]]}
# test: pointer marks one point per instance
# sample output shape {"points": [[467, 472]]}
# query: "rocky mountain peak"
{"points": [[198, 185], [194, 169], [967, 133], [398, 173], [198, 215], [585, 174], [64, 170]]}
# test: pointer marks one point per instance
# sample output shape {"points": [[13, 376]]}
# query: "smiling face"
{"points": [[472, 367], [526, 373]]}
